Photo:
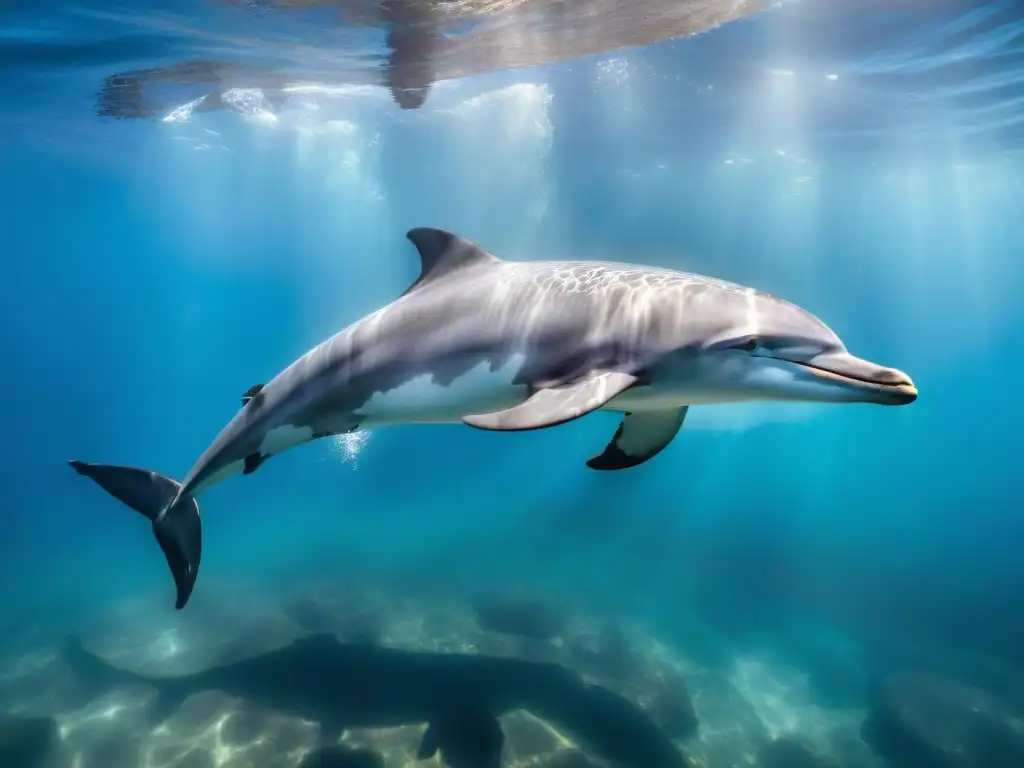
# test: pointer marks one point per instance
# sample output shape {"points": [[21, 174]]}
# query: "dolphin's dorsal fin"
{"points": [[443, 252]]}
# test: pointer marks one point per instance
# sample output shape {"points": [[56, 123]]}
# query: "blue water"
{"points": [[863, 160]]}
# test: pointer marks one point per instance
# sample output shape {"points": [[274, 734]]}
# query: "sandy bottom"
{"points": [[740, 706]]}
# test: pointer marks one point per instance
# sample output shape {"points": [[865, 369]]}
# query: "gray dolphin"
{"points": [[503, 345]]}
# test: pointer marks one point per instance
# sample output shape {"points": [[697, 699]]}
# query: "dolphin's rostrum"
{"points": [[503, 345]]}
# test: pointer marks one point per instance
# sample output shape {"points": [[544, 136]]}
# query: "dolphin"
{"points": [[507, 346]]}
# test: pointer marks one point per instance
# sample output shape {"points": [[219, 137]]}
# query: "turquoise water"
{"points": [[863, 161]]}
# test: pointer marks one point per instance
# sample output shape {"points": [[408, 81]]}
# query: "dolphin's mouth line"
{"points": [[826, 373]]}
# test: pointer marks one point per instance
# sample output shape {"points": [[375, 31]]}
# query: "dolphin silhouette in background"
{"points": [[509, 346], [459, 696]]}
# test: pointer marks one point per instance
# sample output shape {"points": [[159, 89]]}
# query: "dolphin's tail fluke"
{"points": [[177, 528]]}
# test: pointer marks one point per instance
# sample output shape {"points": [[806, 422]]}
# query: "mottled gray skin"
{"points": [[538, 324]]}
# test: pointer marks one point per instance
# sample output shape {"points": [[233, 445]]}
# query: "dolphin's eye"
{"points": [[750, 345]]}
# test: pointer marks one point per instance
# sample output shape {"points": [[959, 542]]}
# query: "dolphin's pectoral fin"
{"points": [[640, 436], [253, 462], [251, 392], [556, 405]]}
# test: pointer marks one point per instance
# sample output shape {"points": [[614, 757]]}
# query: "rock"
{"points": [[527, 736], [196, 758], [201, 712], [349, 617], [834, 663], [243, 726], [342, 757], [606, 653], [521, 616], [607, 724], [531, 649], [671, 708], [311, 614], [112, 747], [919, 719], [567, 758], [224, 624], [789, 752], [366, 628], [843, 742], [730, 729], [28, 742]]}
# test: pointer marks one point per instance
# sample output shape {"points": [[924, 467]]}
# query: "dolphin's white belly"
{"points": [[662, 398], [422, 399], [677, 382]]}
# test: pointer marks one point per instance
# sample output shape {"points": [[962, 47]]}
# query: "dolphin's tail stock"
{"points": [[177, 528]]}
